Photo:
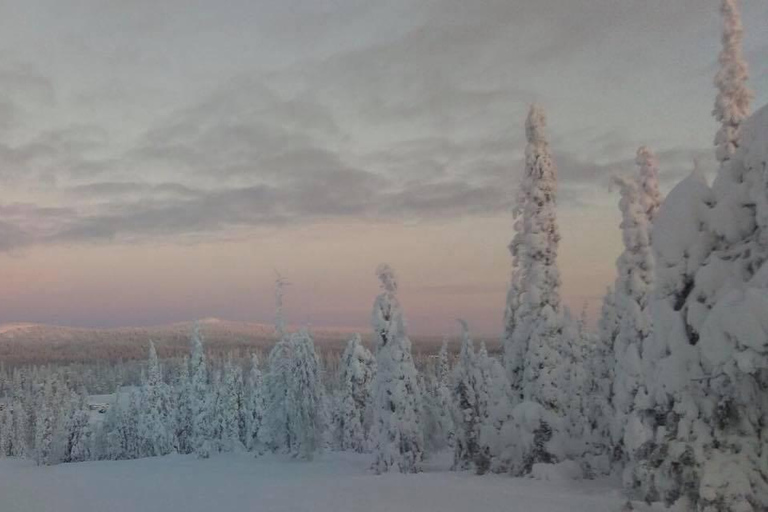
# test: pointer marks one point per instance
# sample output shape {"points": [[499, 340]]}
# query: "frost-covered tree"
{"points": [[443, 398], [632, 291], [45, 424], [466, 387], [538, 319], [230, 405], [353, 417], [733, 97], [256, 408], [275, 433], [601, 366], [305, 400], [280, 284], [73, 441], [396, 395], [183, 419], [155, 422], [200, 397], [443, 363], [20, 427]]}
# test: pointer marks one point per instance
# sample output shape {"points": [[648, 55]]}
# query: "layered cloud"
{"points": [[146, 122]]}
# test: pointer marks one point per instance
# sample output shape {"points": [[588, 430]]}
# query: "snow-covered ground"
{"points": [[334, 482]]}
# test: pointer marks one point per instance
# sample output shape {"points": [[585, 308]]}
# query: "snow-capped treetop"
{"points": [[536, 125], [539, 236], [635, 264], [280, 284], [444, 365], [153, 370], [734, 97], [196, 340], [387, 315], [650, 196], [387, 277]]}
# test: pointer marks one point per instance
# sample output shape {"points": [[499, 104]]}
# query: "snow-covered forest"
{"points": [[669, 393]]}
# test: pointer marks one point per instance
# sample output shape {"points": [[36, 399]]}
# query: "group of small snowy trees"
{"points": [[44, 419]]}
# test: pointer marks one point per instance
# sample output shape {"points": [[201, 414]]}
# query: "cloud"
{"points": [[386, 116]]}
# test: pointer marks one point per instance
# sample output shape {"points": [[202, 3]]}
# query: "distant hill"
{"points": [[24, 343]]}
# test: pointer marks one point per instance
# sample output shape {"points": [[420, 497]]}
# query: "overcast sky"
{"points": [[159, 159]]}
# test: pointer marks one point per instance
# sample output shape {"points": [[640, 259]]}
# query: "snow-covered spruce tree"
{"points": [[183, 418], [709, 329], [734, 97], [256, 407], [45, 424], [538, 321], [155, 422], [396, 394], [630, 434], [500, 448], [305, 399], [200, 398], [709, 315], [133, 447], [21, 426], [73, 440], [443, 398], [577, 381], [466, 384], [353, 417], [443, 363], [600, 365], [732, 218], [230, 405], [275, 433]]}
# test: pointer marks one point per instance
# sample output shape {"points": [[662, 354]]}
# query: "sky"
{"points": [[160, 161]]}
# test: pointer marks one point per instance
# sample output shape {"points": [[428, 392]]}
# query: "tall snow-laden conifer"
{"points": [[733, 97], [538, 320], [399, 444], [256, 408], [275, 432], [231, 403], [632, 293], [200, 397], [182, 414]]}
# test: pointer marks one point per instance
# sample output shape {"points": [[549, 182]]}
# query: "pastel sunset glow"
{"points": [[161, 165]]}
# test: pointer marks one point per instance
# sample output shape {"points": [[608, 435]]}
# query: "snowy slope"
{"points": [[332, 483]]}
